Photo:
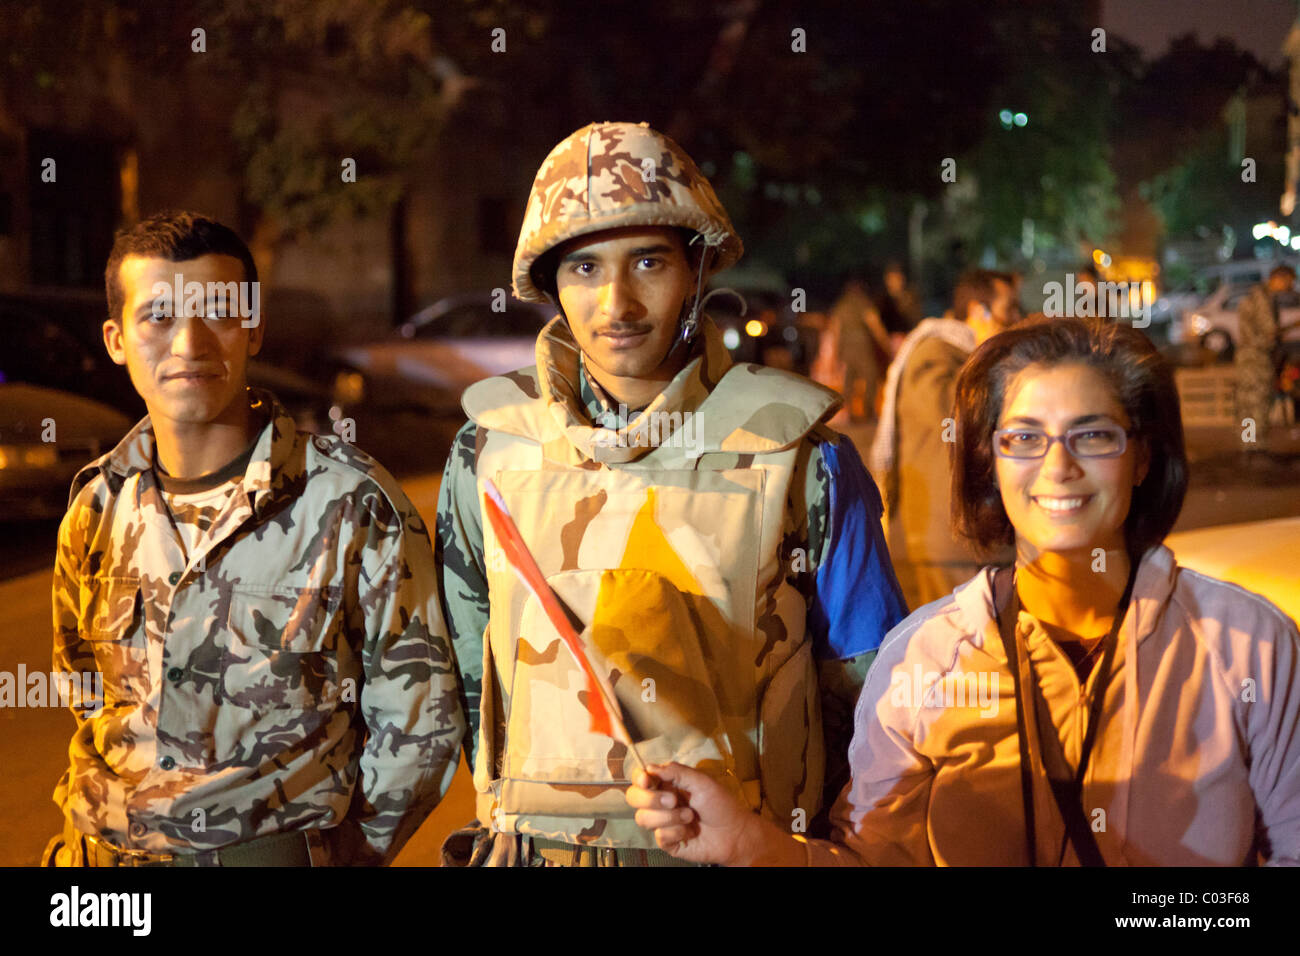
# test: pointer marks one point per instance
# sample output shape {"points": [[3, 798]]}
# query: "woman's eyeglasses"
{"points": [[1086, 441]]}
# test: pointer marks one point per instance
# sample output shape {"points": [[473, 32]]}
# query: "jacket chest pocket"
{"points": [[284, 648], [111, 623]]}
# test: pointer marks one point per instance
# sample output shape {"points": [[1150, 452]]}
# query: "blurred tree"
{"points": [[1200, 109], [1043, 167]]}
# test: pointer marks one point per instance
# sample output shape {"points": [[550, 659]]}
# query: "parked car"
{"points": [[1258, 555], [46, 436], [1214, 322], [432, 357]]}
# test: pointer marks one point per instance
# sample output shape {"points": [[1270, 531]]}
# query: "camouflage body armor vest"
{"points": [[663, 537]]}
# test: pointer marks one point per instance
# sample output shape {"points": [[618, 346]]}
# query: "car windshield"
{"points": [[477, 320]]}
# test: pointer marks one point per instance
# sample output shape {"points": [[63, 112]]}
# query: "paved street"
{"points": [[33, 743]]}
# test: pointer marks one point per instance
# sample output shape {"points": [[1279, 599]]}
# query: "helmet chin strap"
{"points": [[690, 318]]}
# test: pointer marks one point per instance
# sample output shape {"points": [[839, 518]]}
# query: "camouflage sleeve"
{"points": [[72, 653], [463, 572], [409, 698]]}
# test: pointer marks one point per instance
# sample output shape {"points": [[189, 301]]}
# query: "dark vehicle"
{"points": [[46, 437], [432, 357], [761, 327], [54, 339], [400, 395]]}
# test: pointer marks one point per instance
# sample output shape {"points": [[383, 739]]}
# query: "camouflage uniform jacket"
{"points": [[828, 555], [292, 673], [1256, 372]]}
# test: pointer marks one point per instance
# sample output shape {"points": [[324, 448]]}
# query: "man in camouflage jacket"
{"points": [[278, 687], [1254, 362], [720, 547]]}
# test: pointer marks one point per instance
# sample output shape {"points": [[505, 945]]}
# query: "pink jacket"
{"points": [[1200, 740]]}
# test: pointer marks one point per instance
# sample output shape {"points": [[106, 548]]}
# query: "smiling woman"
{"points": [[1144, 712]]}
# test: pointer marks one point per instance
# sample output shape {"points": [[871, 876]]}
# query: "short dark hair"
{"points": [[976, 285], [1144, 384], [176, 237]]}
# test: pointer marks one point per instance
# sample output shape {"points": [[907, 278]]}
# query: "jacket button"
{"points": [[167, 763], [173, 577], [175, 674]]}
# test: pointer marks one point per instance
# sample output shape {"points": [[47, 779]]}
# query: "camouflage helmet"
{"points": [[610, 175]]}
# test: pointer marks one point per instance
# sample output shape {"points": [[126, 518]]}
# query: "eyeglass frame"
{"points": [[1064, 439]]}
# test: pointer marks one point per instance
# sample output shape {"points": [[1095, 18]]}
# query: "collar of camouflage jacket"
{"points": [[750, 409], [273, 465], [558, 371]]}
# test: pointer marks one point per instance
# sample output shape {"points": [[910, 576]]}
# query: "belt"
{"points": [[570, 854], [278, 849]]}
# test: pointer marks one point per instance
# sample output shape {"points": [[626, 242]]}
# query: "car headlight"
{"points": [[28, 456], [349, 387]]}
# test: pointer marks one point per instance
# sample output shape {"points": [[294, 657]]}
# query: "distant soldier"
{"points": [[1255, 361], [262, 604], [720, 546]]}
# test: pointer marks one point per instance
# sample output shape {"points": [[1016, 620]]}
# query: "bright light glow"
{"points": [[730, 338], [1261, 229], [28, 456], [1006, 117], [1282, 234], [755, 328], [1021, 119]]}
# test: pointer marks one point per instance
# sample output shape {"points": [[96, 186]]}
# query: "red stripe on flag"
{"points": [[521, 560]]}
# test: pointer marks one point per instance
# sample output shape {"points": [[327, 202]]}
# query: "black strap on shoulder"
{"points": [[1067, 793], [1011, 644]]}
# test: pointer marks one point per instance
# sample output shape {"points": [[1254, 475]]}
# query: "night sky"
{"points": [[1260, 26]]}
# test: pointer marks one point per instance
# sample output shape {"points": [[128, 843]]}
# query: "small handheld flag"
{"points": [[601, 703]]}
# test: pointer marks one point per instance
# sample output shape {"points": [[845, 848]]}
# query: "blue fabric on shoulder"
{"points": [[858, 598]]}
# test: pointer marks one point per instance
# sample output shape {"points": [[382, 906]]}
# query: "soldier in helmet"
{"points": [[258, 603], [719, 546]]}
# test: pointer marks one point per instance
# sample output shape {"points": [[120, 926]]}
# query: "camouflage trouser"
{"points": [[475, 845]]}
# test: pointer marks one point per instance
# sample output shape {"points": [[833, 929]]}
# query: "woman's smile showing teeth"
{"points": [[1060, 505]]}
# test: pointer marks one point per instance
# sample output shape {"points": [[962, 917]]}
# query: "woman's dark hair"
{"points": [[1144, 384]]}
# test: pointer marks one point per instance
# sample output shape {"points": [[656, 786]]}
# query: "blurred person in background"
{"points": [[899, 305], [910, 455], [1256, 361], [861, 348], [1096, 704], [261, 603]]}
